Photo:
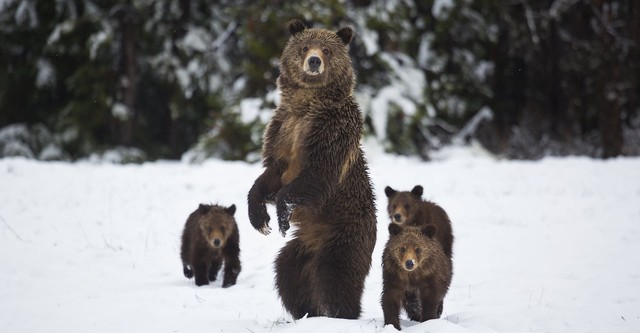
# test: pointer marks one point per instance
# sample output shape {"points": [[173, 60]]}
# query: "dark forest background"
{"points": [[167, 79]]}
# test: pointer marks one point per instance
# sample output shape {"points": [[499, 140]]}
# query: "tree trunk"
{"points": [[634, 62], [504, 109], [176, 137], [128, 73], [129, 89], [610, 109]]}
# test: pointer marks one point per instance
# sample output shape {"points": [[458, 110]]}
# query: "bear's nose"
{"points": [[314, 63], [397, 217], [216, 242], [409, 264]]}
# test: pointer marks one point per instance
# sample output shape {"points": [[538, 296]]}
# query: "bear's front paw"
{"points": [[201, 282], [188, 273], [259, 218], [284, 226], [284, 210], [227, 284]]}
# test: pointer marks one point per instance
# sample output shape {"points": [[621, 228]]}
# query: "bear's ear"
{"points": [[203, 209], [296, 26], [389, 191], [428, 230], [417, 191], [346, 34], [231, 210], [394, 229]]}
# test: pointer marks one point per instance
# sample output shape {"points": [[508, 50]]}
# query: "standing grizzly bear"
{"points": [[416, 274], [210, 238], [408, 208], [317, 177]]}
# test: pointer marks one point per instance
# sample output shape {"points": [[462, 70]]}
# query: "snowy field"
{"points": [[545, 246]]}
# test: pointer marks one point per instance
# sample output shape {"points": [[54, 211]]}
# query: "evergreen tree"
{"points": [[155, 79]]}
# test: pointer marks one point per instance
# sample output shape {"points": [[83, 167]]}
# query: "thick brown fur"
{"points": [[416, 274], [317, 176], [408, 208], [209, 240]]}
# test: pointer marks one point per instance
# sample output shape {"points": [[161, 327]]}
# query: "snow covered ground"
{"points": [[546, 246]]}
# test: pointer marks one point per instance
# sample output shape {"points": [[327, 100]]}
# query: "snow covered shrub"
{"points": [[236, 136], [120, 155], [35, 142]]}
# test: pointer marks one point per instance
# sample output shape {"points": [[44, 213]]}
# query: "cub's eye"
{"points": [[406, 206], [326, 51], [305, 49], [418, 250], [403, 249], [394, 206], [209, 229], [222, 230]]}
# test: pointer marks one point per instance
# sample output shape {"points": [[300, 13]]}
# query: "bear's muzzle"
{"points": [[313, 64]]}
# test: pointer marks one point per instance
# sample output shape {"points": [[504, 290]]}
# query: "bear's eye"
{"points": [[222, 230], [305, 49], [326, 51], [394, 206], [418, 250], [406, 206], [210, 229], [403, 249]]}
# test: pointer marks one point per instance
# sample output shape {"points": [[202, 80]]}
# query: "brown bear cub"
{"points": [[416, 274], [210, 238], [408, 208], [317, 177]]}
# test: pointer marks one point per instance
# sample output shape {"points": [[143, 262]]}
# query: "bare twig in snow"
{"points": [[11, 229]]}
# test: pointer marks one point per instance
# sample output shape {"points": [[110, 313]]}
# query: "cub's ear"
{"points": [[428, 230], [345, 34], [296, 26], [394, 229], [203, 209], [417, 191], [231, 210], [389, 191]]}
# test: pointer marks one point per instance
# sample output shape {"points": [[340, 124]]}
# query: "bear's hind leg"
{"points": [[339, 285], [293, 287]]}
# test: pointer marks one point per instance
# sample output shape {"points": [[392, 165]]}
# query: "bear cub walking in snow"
{"points": [[210, 238], [416, 274], [408, 208]]}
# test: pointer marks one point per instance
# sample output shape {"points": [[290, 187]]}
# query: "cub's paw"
{"points": [[227, 284], [187, 271], [201, 282]]}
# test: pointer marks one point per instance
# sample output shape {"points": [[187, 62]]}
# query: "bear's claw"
{"points": [[265, 229], [284, 226], [259, 218]]}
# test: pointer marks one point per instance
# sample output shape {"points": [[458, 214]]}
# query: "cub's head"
{"points": [[314, 58], [402, 206], [216, 223], [412, 247]]}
